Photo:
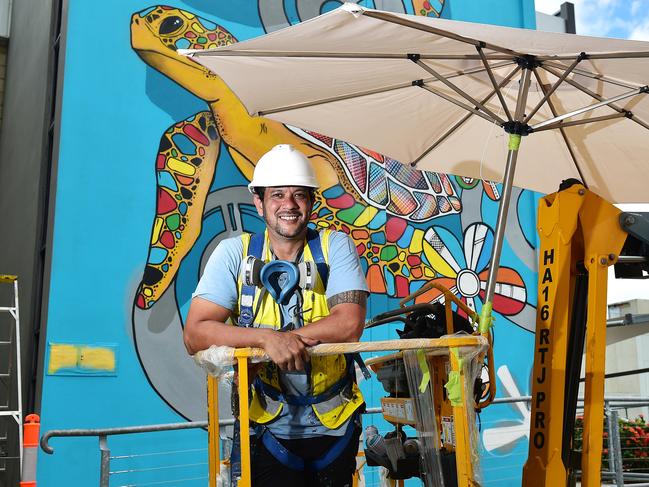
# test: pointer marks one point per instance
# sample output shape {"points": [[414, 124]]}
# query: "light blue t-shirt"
{"points": [[219, 285]]}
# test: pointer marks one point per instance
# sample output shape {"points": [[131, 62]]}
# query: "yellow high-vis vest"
{"points": [[335, 394]]}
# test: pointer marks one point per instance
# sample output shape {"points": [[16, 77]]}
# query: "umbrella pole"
{"points": [[516, 129]]}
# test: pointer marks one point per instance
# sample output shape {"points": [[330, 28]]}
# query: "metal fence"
{"points": [[627, 446], [624, 461], [138, 469]]}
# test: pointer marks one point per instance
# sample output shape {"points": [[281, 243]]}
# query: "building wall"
{"points": [[23, 169], [626, 351], [112, 354], [3, 74], [634, 306], [550, 23], [626, 347], [622, 355], [514, 13]]}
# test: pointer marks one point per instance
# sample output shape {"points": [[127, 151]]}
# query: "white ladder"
{"points": [[10, 351]]}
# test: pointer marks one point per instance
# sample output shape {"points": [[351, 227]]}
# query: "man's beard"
{"points": [[283, 232]]}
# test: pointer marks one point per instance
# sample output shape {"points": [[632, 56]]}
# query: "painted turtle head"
{"points": [[158, 32]]}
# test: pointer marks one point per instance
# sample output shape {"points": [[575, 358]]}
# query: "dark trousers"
{"points": [[268, 472]]}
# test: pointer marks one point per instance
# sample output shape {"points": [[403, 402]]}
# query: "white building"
{"points": [[627, 350]]}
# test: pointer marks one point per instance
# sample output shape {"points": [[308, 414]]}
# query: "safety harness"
{"points": [[255, 249], [295, 462], [341, 388]]}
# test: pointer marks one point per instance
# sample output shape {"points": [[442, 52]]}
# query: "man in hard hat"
{"points": [[304, 411]]}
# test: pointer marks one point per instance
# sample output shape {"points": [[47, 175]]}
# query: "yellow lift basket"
{"points": [[478, 345]]}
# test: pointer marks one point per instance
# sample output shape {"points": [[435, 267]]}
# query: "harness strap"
{"points": [[281, 453], [303, 400], [295, 462], [356, 357], [336, 449], [313, 240], [339, 387], [246, 301], [255, 249]]}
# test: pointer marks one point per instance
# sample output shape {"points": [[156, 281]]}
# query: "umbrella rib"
{"points": [[605, 55], [590, 74], [606, 102], [466, 117], [493, 82], [466, 107], [220, 52], [561, 130], [348, 96], [322, 101], [432, 30], [598, 97], [468, 57], [455, 88], [474, 70], [554, 86], [562, 125]]}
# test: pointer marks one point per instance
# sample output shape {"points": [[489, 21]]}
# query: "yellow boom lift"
{"points": [[581, 235]]}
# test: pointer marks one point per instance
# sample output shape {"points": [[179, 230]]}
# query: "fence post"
{"points": [[609, 440], [104, 473], [615, 447]]}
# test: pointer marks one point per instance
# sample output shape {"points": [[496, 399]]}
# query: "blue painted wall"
{"points": [[515, 13], [115, 109]]}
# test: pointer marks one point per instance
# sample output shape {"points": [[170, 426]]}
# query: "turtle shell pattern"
{"points": [[388, 185]]}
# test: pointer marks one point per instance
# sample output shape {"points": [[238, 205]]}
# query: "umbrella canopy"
{"points": [[438, 94]]}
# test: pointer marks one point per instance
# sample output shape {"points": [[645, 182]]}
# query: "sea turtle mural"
{"points": [[357, 183], [387, 208]]}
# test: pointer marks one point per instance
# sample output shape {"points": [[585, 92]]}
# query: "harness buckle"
{"points": [[343, 398]]}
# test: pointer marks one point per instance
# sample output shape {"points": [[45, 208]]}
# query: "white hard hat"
{"points": [[283, 165]]}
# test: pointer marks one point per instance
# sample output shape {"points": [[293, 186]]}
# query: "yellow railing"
{"points": [[438, 346]]}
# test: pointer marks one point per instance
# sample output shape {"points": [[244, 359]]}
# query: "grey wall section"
{"points": [[24, 170], [3, 72]]}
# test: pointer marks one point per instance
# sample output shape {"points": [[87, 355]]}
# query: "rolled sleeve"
{"points": [[218, 284], [345, 271]]}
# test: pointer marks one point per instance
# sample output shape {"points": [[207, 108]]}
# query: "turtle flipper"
{"points": [[185, 166]]}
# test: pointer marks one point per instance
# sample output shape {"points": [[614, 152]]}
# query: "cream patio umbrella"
{"points": [[458, 98]]}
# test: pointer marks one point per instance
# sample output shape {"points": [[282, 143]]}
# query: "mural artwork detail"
{"points": [[404, 222]]}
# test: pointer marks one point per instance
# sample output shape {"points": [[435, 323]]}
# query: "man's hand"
{"points": [[288, 349]]}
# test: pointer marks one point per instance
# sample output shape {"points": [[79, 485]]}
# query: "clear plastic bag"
{"points": [[469, 362], [421, 392], [218, 360]]}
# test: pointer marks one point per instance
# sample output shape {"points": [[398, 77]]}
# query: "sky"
{"points": [[623, 19]]}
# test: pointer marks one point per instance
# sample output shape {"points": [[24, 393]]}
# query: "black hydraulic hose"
{"points": [[398, 312], [374, 322], [576, 339]]}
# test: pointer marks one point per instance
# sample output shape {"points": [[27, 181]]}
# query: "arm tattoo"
{"points": [[356, 297]]}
